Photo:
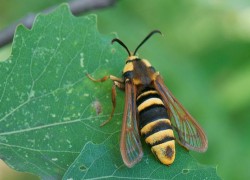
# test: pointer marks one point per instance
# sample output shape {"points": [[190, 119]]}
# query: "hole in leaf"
{"points": [[82, 168], [185, 171]]}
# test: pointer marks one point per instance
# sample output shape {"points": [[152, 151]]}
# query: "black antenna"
{"points": [[146, 38], [122, 44]]}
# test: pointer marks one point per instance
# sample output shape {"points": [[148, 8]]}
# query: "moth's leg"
{"points": [[113, 97], [97, 80], [113, 78], [120, 85], [117, 82]]}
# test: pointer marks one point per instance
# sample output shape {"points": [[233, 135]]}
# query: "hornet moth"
{"points": [[151, 111]]}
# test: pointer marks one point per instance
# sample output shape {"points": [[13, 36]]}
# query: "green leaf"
{"points": [[50, 111], [104, 161]]}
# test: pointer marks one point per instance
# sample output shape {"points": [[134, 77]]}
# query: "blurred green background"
{"points": [[204, 57]]}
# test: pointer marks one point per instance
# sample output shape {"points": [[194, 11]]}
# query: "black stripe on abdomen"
{"points": [[151, 114], [158, 126]]}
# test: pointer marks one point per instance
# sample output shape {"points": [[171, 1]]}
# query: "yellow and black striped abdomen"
{"points": [[155, 125]]}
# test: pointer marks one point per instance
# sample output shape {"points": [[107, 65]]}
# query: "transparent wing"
{"points": [[130, 144], [189, 131]]}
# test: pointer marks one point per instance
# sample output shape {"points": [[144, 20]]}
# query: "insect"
{"points": [[151, 111]]}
